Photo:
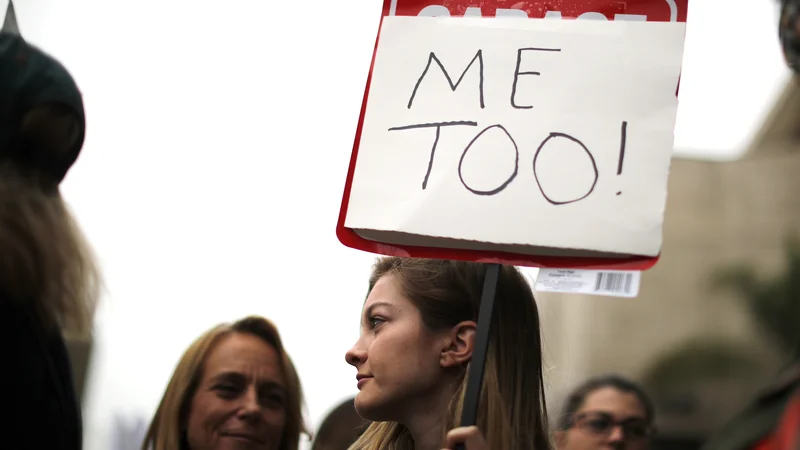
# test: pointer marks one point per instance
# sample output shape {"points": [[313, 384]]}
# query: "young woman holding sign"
{"points": [[417, 336]]}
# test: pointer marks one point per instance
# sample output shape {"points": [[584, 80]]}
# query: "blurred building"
{"points": [[718, 214]]}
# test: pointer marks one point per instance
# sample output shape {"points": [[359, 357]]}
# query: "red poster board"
{"points": [[650, 10]]}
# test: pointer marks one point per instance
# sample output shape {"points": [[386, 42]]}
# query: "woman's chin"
{"points": [[371, 408]]}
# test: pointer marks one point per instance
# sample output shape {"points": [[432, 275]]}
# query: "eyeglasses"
{"points": [[601, 424]]}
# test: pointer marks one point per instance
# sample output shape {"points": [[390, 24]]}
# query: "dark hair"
{"points": [[620, 383], [340, 428]]}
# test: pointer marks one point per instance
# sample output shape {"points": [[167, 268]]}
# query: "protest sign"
{"points": [[529, 142]]}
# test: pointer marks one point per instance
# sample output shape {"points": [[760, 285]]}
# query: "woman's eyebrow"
{"points": [[372, 307]]}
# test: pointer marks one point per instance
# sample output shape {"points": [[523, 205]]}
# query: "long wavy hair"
{"points": [[167, 429], [512, 413], [45, 262]]}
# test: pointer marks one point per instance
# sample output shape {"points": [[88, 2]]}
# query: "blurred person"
{"points": [[789, 33], [340, 429], [771, 421], [417, 337], [606, 412], [235, 387], [49, 282]]}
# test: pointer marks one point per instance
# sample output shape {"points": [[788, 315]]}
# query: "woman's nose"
{"points": [[356, 355], [250, 405], [616, 434]]}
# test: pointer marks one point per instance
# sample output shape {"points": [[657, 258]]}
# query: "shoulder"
{"points": [[43, 383], [762, 416]]}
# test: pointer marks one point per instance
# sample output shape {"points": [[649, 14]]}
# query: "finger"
{"points": [[471, 437]]}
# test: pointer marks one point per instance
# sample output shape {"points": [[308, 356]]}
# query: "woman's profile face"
{"points": [[396, 357], [240, 400]]}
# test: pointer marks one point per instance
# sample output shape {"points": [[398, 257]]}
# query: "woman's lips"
{"points": [[362, 381]]}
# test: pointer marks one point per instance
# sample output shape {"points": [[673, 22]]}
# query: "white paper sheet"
{"points": [[583, 88]]}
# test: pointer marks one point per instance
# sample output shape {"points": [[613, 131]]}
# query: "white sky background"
{"points": [[219, 134]]}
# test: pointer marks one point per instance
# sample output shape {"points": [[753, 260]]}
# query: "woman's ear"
{"points": [[459, 345]]}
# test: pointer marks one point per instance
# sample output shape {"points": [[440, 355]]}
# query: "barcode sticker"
{"points": [[616, 283]]}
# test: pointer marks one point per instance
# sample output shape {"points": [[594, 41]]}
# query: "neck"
{"points": [[428, 422], [427, 430]]}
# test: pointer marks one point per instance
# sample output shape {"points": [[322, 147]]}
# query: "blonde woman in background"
{"points": [[234, 388], [417, 336]]}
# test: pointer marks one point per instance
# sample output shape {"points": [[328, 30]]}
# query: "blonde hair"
{"points": [[44, 258], [166, 431], [512, 413]]}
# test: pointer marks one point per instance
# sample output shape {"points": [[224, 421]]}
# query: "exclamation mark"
{"points": [[623, 137]]}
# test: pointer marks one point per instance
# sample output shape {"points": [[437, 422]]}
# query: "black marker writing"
{"points": [[588, 153], [517, 73], [438, 126], [432, 57], [587, 183], [506, 182], [622, 139]]}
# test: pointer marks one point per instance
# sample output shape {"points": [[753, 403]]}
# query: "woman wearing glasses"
{"points": [[608, 412]]}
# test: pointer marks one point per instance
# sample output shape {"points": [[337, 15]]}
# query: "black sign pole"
{"points": [[472, 396]]}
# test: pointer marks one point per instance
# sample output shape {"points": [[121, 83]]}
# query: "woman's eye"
{"points": [[226, 389], [273, 400], [374, 322]]}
